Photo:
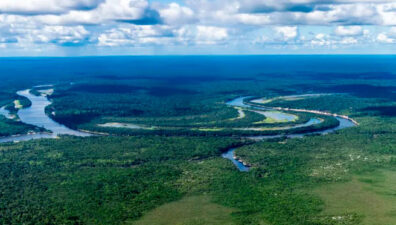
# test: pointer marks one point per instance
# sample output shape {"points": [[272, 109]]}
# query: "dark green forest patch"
{"points": [[382, 110]]}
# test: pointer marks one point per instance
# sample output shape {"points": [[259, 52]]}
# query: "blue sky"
{"points": [[163, 27]]}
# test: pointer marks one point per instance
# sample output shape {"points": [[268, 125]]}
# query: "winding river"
{"points": [[239, 102], [35, 115]]}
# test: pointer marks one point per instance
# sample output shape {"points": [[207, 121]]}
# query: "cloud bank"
{"points": [[190, 24]]}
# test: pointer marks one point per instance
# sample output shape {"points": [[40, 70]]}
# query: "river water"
{"points": [[35, 115], [230, 154], [5, 113]]}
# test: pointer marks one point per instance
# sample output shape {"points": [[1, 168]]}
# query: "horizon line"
{"points": [[194, 55]]}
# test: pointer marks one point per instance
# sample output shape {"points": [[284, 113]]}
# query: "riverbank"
{"points": [[35, 116], [303, 111], [344, 122]]}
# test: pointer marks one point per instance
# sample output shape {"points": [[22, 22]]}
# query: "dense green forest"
{"points": [[107, 181], [200, 110], [162, 163], [11, 127]]}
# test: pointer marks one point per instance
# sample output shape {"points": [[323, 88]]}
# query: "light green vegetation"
{"points": [[276, 117], [210, 129], [194, 210], [262, 100], [369, 198], [271, 120], [17, 104], [125, 125], [241, 113]]}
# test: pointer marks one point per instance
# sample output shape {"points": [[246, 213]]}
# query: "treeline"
{"points": [[10, 127], [335, 103]]}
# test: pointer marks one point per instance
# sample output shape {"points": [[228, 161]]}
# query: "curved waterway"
{"points": [[35, 115], [230, 154]]}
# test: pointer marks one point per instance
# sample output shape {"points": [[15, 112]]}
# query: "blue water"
{"points": [[35, 115], [343, 123], [310, 122], [230, 155], [280, 116], [239, 102]]}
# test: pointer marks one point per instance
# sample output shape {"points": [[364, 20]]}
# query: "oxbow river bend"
{"points": [[239, 102], [35, 115]]}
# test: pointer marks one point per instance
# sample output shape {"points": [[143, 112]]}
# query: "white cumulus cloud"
{"points": [[130, 34], [45, 6], [197, 22], [287, 33], [202, 34], [349, 31], [387, 37], [176, 14]]}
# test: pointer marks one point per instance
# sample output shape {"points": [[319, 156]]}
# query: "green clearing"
{"points": [[370, 197], [273, 119], [17, 104], [194, 210], [210, 129]]}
